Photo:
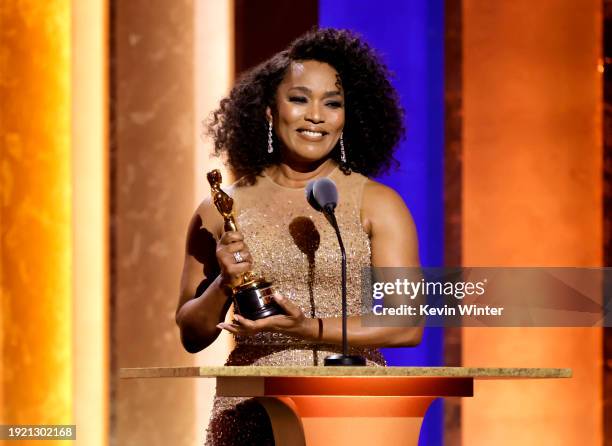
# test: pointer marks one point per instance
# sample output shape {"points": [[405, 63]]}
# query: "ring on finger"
{"points": [[238, 257]]}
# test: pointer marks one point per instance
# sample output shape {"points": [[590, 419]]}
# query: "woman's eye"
{"points": [[300, 99], [334, 104]]}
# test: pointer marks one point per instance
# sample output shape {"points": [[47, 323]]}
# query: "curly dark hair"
{"points": [[373, 115]]}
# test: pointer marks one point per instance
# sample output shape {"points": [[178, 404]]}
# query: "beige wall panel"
{"points": [[532, 197], [152, 204]]}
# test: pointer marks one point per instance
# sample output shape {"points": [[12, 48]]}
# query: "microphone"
{"points": [[322, 195]]}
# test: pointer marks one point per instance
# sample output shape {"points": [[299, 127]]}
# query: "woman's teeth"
{"points": [[313, 134]]}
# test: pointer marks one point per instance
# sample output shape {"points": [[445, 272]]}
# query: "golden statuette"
{"points": [[252, 295], [223, 202]]}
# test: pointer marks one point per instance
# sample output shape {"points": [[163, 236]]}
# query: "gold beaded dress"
{"points": [[294, 246]]}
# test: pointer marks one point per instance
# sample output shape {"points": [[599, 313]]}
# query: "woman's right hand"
{"points": [[229, 244]]}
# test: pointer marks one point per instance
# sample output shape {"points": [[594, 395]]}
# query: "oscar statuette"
{"points": [[252, 295]]}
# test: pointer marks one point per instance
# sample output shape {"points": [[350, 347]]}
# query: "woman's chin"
{"points": [[311, 156]]}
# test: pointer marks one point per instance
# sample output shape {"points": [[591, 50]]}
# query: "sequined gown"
{"points": [[294, 246]]}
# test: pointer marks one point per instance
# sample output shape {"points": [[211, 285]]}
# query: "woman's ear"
{"points": [[269, 114]]}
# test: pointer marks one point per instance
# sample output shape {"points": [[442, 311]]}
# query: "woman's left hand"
{"points": [[293, 322]]}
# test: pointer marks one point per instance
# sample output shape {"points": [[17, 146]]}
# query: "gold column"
{"points": [[35, 194], [533, 197]]}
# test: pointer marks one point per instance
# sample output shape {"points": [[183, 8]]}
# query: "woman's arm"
{"points": [[393, 243], [208, 268]]}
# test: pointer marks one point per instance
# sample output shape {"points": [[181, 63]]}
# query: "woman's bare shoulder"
{"points": [[381, 203], [391, 227], [376, 195], [206, 216]]}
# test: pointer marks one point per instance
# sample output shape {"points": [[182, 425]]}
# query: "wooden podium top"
{"points": [[263, 372]]}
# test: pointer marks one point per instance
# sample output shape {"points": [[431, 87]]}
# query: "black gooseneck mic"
{"points": [[323, 197]]}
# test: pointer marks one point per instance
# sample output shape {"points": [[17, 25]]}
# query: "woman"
{"points": [[322, 108]]}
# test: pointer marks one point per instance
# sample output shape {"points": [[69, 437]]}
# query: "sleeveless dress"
{"points": [[295, 247]]}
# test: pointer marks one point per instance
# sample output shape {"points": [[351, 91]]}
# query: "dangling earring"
{"points": [[270, 147], [342, 151]]}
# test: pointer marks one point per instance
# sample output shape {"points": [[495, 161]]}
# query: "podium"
{"points": [[312, 406]]}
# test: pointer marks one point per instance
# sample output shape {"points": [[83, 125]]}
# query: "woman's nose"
{"points": [[313, 114]]}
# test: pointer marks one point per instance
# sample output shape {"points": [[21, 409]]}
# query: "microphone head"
{"points": [[322, 194], [310, 196]]}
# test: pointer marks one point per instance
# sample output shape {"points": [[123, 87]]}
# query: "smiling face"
{"points": [[309, 114]]}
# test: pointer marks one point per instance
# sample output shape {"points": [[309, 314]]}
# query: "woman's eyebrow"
{"points": [[332, 93], [308, 91]]}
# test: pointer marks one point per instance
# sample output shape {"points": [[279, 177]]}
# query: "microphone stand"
{"points": [[344, 359]]}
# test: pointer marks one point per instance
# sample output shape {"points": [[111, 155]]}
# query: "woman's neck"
{"points": [[288, 176]]}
